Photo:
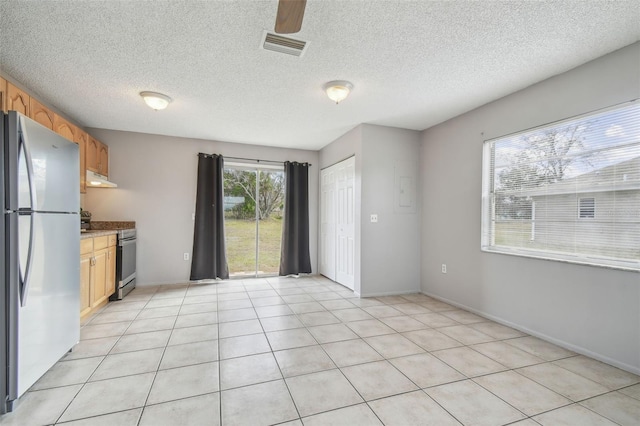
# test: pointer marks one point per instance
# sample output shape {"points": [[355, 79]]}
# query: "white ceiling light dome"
{"points": [[156, 100], [338, 90]]}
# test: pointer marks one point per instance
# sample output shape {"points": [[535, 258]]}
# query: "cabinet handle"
{"points": [[93, 261]]}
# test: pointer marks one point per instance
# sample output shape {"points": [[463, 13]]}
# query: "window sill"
{"points": [[599, 262]]}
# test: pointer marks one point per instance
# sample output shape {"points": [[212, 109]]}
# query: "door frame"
{"points": [[254, 167], [343, 226]]}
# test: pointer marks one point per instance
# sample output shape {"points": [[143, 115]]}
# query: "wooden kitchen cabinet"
{"points": [[111, 270], [86, 262], [17, 100], [100, 274], [91, 154], [72, 133], [64, 128], [97, 157], [3, 94], [97, 272], [81, 139], [103, 159], [94, 155], [41, 113]]}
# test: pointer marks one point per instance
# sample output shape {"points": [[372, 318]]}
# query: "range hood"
{"points": [[95, 180]]}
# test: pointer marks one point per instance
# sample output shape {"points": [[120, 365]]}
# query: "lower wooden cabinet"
{"points": [[86, 263], [97, 272]]}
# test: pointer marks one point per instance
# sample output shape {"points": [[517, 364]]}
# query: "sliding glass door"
{"points": [[253, 208]]}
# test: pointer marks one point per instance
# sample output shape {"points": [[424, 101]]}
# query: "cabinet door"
{"points": [[81, 139], [100, 274], [3, 94], [111, 271], [41, 113], [17, 100], [103, 159], [86, 261], [64, 128], [92, 154]]}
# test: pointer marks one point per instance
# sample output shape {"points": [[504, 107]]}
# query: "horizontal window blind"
{"points": [[567, 191]]}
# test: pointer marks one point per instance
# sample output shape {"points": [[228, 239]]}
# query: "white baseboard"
{"points": [[390, 293], [561, 343]]}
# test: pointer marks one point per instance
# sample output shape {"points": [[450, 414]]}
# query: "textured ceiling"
{"points": [[413, 63]]}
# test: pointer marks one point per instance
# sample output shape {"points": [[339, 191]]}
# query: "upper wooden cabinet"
{"points": [[91, 154], [17, 100], [3, 94], [103, 159], [97, 157], [81, 138], [64, 128], [72, 133], [41, 113], [94, 155]]}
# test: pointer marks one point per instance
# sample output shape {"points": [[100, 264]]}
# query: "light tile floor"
{"points": [[306, 351]]}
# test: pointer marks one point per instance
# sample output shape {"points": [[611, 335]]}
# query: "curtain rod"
{"points": [[255, 159]]}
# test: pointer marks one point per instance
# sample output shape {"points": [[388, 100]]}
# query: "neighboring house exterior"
{"points": [[605, 208], [231, 202]]}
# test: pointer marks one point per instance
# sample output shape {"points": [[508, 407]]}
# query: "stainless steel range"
{"points": [[125, 263]]}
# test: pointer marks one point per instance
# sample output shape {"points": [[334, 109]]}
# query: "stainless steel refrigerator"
{"points": [[40, 252]]}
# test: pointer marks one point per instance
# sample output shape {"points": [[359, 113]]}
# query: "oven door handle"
{"points": [[122, 243]]}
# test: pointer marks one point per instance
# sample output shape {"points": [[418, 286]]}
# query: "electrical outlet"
{"points": [[444, 268], [185, 256], [374, 218]]}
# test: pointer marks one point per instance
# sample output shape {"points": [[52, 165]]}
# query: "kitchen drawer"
{"points": [[86, 246], [100, 243], [112, 240]]}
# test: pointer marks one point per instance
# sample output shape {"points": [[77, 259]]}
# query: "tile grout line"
{"points": [[98, 366], [155, 376], [307, 329]]}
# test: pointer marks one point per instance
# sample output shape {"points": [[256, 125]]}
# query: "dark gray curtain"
{"points": [[209, 259], [294, 255]]}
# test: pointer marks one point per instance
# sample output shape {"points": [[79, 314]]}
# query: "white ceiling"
{"points": [[413, 63]]}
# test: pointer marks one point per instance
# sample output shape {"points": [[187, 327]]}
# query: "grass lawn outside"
{"points": [[240, 238]]}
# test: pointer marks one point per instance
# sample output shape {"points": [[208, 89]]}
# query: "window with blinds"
{"points": [[567, 191]]}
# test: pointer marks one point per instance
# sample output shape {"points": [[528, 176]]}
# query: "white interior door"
{"points": [[345, 225], [328, 223]]}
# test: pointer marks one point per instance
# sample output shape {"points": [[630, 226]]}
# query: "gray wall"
{"points": [[156, 177], [387, 252], [595, 311], [390, 248]]}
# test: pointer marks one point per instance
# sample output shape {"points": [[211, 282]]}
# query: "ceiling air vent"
{"points": [[278, 43]]}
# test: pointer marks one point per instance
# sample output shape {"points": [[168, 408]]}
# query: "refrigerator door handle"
{"points": [[24, 145], [24, 279]]}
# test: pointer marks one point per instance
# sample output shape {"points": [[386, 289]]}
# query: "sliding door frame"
{"points": [[257, 169]]}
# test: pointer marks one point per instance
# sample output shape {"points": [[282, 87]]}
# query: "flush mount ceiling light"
{"points": [[338, 90], [155, 100]]}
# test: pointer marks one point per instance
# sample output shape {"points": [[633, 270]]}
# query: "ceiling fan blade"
{"points": [[290, 14]]}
